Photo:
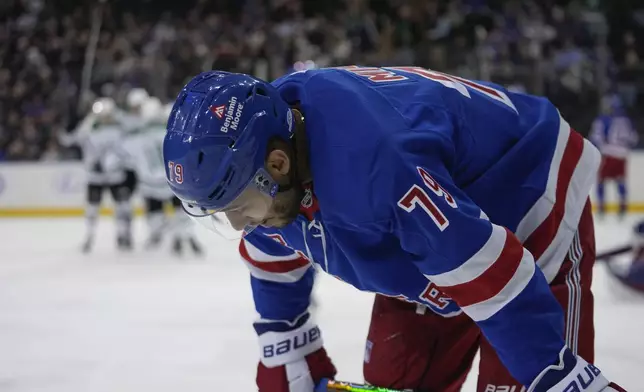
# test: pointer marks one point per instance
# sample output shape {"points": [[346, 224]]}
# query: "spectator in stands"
{"points": [[523, 44]]}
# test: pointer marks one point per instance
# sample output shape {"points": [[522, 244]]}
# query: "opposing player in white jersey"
{"points": [[99, 136], [143, 150], [132, 120]]}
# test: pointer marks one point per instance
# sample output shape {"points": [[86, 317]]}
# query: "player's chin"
{"points": [[282, 224], [279, 223]]}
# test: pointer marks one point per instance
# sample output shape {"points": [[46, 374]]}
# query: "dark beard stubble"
{"points": [[286, 206]]}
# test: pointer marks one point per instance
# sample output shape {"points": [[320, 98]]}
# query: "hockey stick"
{"points": [[327, 385], [615, 252]]}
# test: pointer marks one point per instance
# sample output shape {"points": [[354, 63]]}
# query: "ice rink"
{"points": [[149, 322]]}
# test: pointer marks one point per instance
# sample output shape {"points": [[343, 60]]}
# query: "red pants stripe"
{"points": [[427, 352]]}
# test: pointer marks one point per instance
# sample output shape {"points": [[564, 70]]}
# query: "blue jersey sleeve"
{"points": [[483, 267], [281, 281]]}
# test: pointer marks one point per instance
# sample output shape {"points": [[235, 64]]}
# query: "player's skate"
{"points": [[195, 246], [124, 243], [88, 245], [177, 247], [621, 214], [153, 242]]}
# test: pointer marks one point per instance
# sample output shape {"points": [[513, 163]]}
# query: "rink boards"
{"points": [[48, 189]]}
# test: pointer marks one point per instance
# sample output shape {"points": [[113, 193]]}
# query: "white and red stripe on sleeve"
{"points": [[285, 269], [491, 278], [548, 227]]}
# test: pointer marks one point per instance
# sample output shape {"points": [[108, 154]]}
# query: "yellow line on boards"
{"points": [[614, 207]]}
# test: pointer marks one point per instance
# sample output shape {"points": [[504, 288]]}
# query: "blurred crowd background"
{"points": [[57, 56]]}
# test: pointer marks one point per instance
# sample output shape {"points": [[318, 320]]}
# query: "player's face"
{"points": [[250, 209], [262, 210], [254, 208]]}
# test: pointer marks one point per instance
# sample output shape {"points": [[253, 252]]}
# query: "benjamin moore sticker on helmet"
{"points": [[232, 116], [218, 111]]}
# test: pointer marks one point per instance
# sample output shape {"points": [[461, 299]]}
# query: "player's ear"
{"points": [[278, 164]]}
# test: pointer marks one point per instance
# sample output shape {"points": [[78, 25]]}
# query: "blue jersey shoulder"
{"points": [[473, 129], [346, 121]]}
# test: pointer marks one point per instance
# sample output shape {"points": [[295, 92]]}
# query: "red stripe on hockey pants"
{"points": [[427, 352]]}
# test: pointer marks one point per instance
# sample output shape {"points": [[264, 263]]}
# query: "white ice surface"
{"points": [[149, 322]]}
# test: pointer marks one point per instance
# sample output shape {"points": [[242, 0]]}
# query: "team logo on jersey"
{"points": [[307, 200], [218, 111]]}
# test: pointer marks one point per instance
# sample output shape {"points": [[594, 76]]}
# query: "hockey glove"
{"points": [[291, 360], [572, 374]]}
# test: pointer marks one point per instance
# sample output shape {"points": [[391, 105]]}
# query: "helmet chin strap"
{"points": [[299, 151], [284, 188]]}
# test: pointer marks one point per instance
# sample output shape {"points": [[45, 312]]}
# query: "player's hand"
{"points": [[572, 373], [299, 376], [292, 359]]}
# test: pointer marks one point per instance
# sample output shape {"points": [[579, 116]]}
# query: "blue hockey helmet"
{"points": [[217, 138]]}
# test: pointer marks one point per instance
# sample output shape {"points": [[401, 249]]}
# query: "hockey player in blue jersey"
{"points": [[614, 136], [462, 205], [630, 273]]}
